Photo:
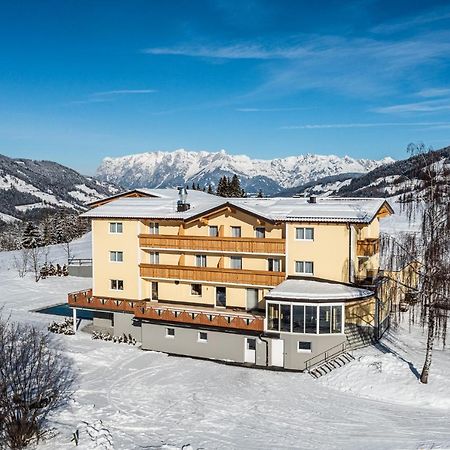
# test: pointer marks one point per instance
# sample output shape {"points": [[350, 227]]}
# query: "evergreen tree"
{"points": [[210, 189], [222, 187], [260, 194], [234, 189], [31, 237], [198, 187], [193, 186]]}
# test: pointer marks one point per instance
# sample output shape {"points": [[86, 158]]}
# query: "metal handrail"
{"points": [[325, 355], [80, 261]]}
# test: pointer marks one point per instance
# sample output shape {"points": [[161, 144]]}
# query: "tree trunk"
{"points": [[430, 342]]}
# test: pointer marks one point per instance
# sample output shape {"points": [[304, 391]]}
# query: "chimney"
{"points": [[181, 204], [312, 199]]}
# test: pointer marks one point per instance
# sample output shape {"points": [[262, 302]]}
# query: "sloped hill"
{"points": [[27, 186]]}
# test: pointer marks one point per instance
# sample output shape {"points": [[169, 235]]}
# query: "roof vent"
{"points": [[181, 204], [312, 199]]}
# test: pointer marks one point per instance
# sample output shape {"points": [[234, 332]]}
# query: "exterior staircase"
{"points": [[334, 363], [358, 337]]}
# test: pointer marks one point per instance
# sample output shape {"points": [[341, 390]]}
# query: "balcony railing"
{"points": [[201, 317], [167, 313], [212, 274], [214, 244], [84, 299], [368, 247]]}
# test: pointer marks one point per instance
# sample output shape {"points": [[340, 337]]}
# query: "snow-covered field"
{"points": [[151, 400]]}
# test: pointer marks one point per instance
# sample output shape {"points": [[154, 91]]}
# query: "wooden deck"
{"points": [[142, 309]]}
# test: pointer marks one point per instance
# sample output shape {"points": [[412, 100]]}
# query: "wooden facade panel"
{"points": [[368, 247], [210, 274], [217, 244]]}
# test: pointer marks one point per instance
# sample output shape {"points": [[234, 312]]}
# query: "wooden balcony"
{"points": [[212, 274], [141, 309], [368, 247], [214, 244], [84, 299], [207, 317]]}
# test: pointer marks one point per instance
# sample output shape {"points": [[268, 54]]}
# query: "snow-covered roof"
{"points": [[316, 291], [164, 206]]}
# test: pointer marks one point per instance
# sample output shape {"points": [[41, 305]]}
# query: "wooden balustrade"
{"points": [[84, 299], [214, 244], [368, 247], [212, 274], [212, 318], [162, 312]]}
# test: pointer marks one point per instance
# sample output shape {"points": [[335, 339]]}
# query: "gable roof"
{"points": [[162, 205]]}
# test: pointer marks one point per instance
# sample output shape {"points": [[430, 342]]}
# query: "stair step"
{"points": [[332, 364]]}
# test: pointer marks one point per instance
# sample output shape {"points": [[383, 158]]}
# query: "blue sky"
{"points": [[81, 80]]}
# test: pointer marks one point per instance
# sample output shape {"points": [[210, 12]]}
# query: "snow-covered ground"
{"points": [[151, 400]]}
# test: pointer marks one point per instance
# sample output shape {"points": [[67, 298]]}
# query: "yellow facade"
{"points": [[333, 252]]}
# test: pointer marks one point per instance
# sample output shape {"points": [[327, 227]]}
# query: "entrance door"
{"points": [[252, 299], [277, 352], [221, 296], [250, 350]]}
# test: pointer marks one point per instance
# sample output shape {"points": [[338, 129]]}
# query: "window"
{"points": [[202, 336], [330, 319], [251, 344], [303, 346], [298, 319], [213, 231], [170, 332], [154, 228], [304, 234], [117, 285], [310, 319], [236, 232], [116, 256], [285, 318], [336, 319], [274, 265], [154, 290], [196, 289], [260, 232], [304, 267], [236, 262], [273, 317], [200, 260], [154, 258], [116, 227]]}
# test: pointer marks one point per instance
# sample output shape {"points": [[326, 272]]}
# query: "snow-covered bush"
{"points": [[65, 327]]}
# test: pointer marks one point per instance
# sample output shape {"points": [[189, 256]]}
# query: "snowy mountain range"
{"points": [[386, 181], [28, 187], [181, 167]]}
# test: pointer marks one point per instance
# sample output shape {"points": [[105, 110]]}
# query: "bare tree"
{"points": [[36, 254], [428, 251], [21, 261], [35, 380]]}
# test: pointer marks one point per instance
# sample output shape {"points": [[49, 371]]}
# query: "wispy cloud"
{"points": [[413, 21], [434, 92], [109, 96], [250, 110], [236, 51], [420, 107], [351, 65], [365, 125], [123, 92]]}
